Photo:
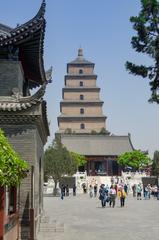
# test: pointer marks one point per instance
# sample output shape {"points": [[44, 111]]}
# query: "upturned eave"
{"points": [[29, 39]]}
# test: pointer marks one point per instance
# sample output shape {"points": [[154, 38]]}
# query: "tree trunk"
{"points": [[55, 188]]}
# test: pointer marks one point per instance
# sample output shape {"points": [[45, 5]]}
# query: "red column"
{"points": [[1, 212]]}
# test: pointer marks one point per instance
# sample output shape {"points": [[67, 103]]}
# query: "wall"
{"points": [[76, 82], [75, 69], [89, 126], [76, 95], [27, 143], [88, 110], [11, 76]]}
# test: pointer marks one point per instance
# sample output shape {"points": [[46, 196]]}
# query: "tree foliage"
{"points": [[146, 24], [136, 160], [12, 167], [58, 161], [155, 164], [80, 159]]}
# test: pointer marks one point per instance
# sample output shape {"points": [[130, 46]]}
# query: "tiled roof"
{"points": [[81, 117], [18, 103], [97, 145], [80, 61], [4, 30], [29, 38]]}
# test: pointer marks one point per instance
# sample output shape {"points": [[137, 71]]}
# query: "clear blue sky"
{"points": [[103, 30]]}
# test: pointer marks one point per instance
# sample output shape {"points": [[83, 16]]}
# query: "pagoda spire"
{"points": [[80, 52]]}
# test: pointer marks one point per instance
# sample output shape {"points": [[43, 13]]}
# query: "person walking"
{"points": [[149, 191], [84, 188], [102, 195], [74, 190], [67, 190], [139, 190], [158, 193], [134, 190], [122, 196], [112, 195], [95, 190], [90, 191], [145, 192], [62, 191], [126, 188]]}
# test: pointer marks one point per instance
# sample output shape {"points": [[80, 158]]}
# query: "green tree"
{"points": [[68, 131], [94, 132], [80, 159], [12, 167], [104, 131], [136, 160], [58, 161], [155, 164], [146, 24]]}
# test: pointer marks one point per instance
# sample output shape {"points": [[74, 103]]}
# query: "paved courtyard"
{"points": [[82, 218]]}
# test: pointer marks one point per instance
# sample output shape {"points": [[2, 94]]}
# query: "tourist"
{"points": [[139, 191], [122, 196], [155, 191], [102, 195], [90, 191], [95, 190], [146, 192], [67, 190], [74, 190], [158, 193], [126, 188], [84, 188], [62, 191], [134, 190], [149, 191], [112, 195]]}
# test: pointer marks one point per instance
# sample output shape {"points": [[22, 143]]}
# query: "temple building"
{"points": [[23, 117], [82, 124]]}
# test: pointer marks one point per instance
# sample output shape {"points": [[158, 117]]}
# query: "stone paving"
{"points": [[82, 218]]}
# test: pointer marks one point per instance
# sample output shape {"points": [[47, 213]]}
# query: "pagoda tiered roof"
{"points": [[28, 38], [81, 101], [81, 89], [80, 60], [81, 117], [80, 76]]}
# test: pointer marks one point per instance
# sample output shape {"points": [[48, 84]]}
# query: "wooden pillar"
{"points": [[2, 198]]}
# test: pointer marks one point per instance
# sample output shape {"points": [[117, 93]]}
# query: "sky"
{"points": [[102, 28]]}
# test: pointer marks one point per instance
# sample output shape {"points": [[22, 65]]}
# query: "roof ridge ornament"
{"points": [[48, 75], [39, 15]]}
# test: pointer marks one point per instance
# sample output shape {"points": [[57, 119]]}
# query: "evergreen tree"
{"points": [[58, 162], [146, 24]]}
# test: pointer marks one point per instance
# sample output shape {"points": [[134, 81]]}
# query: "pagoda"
{"points": [[81, 107], [82, 124], [23, 116]]}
